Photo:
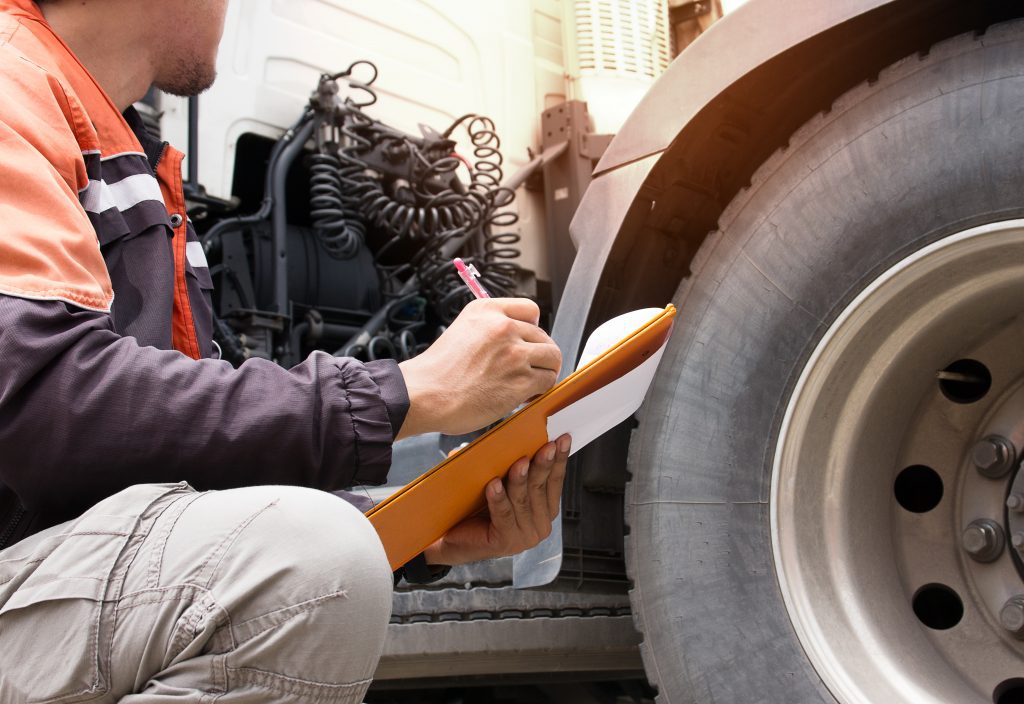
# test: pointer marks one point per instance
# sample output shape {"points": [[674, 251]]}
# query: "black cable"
{"points": [[402, 195], [231, 347], [336, 222]]}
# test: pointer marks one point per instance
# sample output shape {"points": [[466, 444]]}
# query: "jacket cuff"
{"points": [[392, 390], [367, 425]]}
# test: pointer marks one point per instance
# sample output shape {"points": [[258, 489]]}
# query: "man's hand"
{"points": [[491, 359], [519, 512]]}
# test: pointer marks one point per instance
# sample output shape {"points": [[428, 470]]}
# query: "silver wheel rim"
{"points": [[859, 572]]}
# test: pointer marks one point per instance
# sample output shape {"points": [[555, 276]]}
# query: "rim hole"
{"points": [[937, 606], [918, 488], [965, 381], [1009, 692]]}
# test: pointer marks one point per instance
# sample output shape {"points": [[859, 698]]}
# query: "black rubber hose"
{"points": [[279, 214], [268, 187]]}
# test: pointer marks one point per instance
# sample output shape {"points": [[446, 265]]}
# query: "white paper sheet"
{"points": [[602, 410]]}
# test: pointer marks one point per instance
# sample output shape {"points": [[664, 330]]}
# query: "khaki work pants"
{"points": [[163, 594]]}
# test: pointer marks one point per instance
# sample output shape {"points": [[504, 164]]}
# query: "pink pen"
{"points": [[469, 275]]}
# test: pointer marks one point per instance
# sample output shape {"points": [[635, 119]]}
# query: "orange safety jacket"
{"points": [[66, 138], [106, 370]]}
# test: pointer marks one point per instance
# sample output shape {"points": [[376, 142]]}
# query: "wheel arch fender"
{"points": [[724, 106]]}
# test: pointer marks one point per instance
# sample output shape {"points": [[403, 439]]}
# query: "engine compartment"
{"points": [[347, 247]]}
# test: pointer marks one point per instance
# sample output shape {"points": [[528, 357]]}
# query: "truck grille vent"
{"points": [[622, 37]]}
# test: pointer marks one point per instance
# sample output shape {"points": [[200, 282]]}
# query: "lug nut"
{"points": [[1011, 616], [1018, 541], [983, 540], [1015, 502], [994, 456]]}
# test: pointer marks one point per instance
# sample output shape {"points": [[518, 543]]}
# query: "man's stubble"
{"points": [[188, 77]]}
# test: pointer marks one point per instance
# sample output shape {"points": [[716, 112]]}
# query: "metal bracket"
{"points": [[593, 146], [686, 11], [565, 179]]}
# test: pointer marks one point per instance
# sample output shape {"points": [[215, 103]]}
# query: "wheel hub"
{"points": [[897, 500]]}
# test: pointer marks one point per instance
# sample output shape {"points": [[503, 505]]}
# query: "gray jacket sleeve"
{"points": [[85, 412]]}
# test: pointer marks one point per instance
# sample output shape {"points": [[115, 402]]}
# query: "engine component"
{"points": [[402, 195], [371, 274]]}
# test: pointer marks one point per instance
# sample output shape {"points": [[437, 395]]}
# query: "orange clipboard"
{"points": [[422, 511]]}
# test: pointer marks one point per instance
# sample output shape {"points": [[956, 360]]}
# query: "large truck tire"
{"points": [[817, 510]]}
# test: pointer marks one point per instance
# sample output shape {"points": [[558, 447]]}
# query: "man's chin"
{"points": [[187, 83]]}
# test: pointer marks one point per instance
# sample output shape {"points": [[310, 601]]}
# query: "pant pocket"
{"points": [[56, 598], [50, 626]]}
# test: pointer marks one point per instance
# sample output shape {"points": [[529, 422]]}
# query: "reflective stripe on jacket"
{"points": [[124, 190]]}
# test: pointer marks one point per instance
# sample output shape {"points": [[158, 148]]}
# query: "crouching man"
{"points": [[120, 582]]}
